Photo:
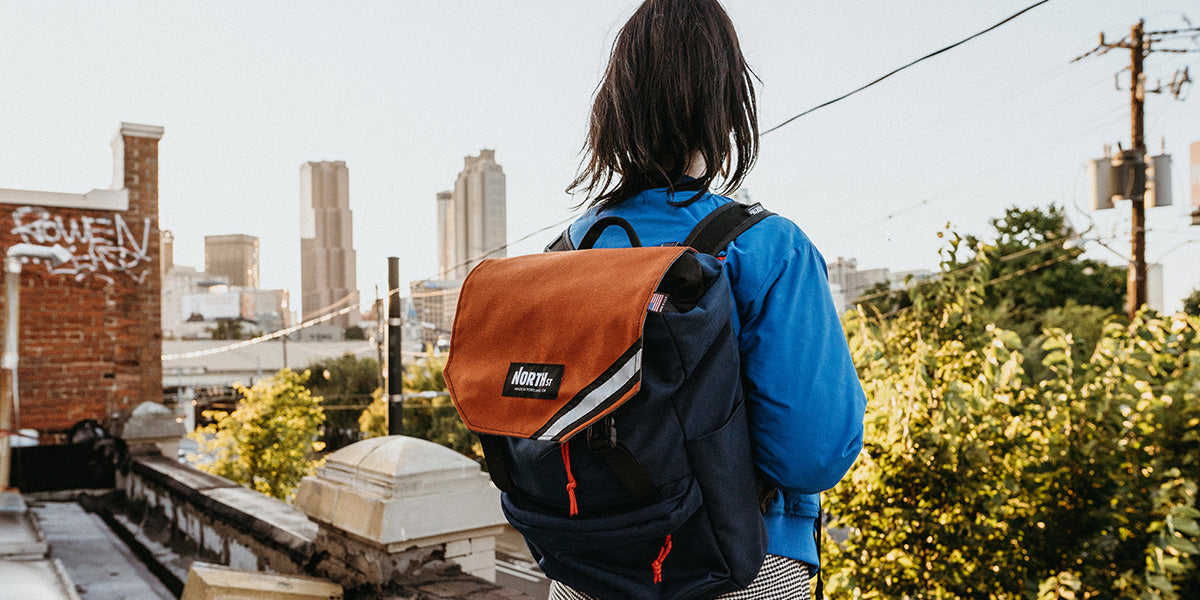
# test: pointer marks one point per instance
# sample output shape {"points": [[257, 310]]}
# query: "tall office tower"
{"points": [[233, 256], [445, 232], [471, 219], [327, 259]]}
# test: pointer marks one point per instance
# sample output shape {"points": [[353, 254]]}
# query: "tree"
{"points": [[227, 329], [1191, 304], [1034, 267], [268, 443], [431, 418], [345, 385], [1029, 266]]}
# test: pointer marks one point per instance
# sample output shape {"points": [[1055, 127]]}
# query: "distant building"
{"points": [[178, 321], [327, 259], [844, 273], [848, 283], [194, 302], [433, 304], [234, 257], [472, 219], [272, 309]]}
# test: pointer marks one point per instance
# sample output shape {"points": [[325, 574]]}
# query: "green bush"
{"points": [[267, 443], [979, 481]]}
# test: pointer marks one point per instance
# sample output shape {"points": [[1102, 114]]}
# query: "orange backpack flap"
{"points": [[546, 344]]}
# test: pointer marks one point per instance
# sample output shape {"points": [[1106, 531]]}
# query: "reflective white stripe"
{"points": [[597, 397]]}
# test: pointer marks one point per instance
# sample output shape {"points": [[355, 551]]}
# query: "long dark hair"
{"points": [[676, 86]]}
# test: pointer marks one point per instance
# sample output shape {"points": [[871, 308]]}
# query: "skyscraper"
{"points": [[327, 260], [233, 256], [471, 219]]}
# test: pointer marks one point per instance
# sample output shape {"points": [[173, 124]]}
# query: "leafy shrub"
{"points": [[267, 443], [978, 481]]}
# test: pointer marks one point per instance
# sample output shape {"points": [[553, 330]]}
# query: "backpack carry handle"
{"points": [[597, 228]]}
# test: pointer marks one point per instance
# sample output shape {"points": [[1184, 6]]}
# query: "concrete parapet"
{"points": [[227, 523]]}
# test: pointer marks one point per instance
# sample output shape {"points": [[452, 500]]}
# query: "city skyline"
{"points": [[957, 139]]}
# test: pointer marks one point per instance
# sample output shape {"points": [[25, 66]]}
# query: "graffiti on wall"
{"points": [[100, 247]]}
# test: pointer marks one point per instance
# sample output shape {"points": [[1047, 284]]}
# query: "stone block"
{"points": [[476, 563], [483, 544], [213, 582], [458, 548]]}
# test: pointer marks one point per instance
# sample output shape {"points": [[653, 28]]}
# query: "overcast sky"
{"points": [[402, 91]]}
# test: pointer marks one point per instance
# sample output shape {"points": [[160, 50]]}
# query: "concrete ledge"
{"points": [[264, 520], [152, 132], [116, 200]]}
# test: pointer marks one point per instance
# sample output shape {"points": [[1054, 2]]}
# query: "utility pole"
{"points": [[1133, 161], [395, 378], [378, 337], [1135, 293]]}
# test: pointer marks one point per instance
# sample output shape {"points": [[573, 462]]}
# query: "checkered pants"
{"points": [[780, 578]]}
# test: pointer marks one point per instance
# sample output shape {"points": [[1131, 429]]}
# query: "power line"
{"points": [[259, 339], [491, 252], [898, 69], [326, 317], [993, 171], [1005, 277]]}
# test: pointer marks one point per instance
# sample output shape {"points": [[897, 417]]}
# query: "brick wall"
{"points": [[90, 337]]}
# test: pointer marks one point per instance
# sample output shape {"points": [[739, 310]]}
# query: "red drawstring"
{"points": [[566, 456], [656, 566]]}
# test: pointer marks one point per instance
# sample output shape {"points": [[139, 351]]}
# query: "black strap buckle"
{"points": [[602, 436]]}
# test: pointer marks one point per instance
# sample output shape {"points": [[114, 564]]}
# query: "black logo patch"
{"points": [[531, 380]]}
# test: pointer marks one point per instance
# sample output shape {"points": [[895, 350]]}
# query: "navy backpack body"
{"points": [[634, 479]]}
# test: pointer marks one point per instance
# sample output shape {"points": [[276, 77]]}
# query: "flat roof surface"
{"points": [[97, 561]]}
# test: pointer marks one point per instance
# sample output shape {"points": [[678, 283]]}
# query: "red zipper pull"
{"points": [[566, 456], [656, 566]]}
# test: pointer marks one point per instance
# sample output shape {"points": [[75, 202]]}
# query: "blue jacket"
{"points": [[804, 398]]}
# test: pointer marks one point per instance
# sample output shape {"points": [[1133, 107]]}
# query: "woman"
{"points": [[676, 113]]}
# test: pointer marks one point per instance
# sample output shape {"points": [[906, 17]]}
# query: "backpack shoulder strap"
{"points": [[560, 243], [723, 225], [710, 235]]}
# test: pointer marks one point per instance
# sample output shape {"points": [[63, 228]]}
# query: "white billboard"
{"points": [[213, 307]]}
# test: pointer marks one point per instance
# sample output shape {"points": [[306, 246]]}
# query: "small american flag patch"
{"points": [[657, 301]]}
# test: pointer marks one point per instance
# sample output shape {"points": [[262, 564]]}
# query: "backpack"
{"points": [[605, 387]]}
